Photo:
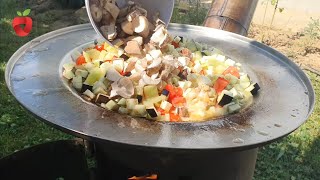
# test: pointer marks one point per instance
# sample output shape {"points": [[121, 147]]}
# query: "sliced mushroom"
{"points": [[127, 27], [123, 87], [118, 42], [123, 12], [138, 67], [113, 74], [135, 77], [141, 10], [130, 66], [145, 33], [113, 9], [148, 80], [140, 24], [154, 76], [160, 36], [106, 18], [133, 48], [139, 39], [132, 15], [155, 63], [152, 27], [109, 31], [96, 13]]}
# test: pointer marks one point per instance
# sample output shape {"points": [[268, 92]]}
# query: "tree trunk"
{"points": [[231, 15]]}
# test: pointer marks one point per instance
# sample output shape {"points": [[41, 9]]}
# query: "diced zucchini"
{"points": [[234, 108], [244, 84], [122, 102], [89, 94], [139, 110], [68, 74], [82, 73], [191, 45], [99, 84], [94, 76], [69, 66], [112, 106], [102, 54], [150, 91], [77, 82], [230, 62], [131, 103], [99, 90], [197, 56], [93, 54], [123, 110]]}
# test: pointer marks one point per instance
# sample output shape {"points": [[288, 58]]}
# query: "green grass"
{"points": [[294, 157], [18, 129]]}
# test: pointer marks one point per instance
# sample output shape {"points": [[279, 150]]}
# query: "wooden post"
{"points": [[231, 15]]}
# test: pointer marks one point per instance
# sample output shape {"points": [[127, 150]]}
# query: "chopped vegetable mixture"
{"points": [[181, 80]]}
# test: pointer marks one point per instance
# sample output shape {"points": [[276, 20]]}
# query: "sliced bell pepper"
{"points": [[81, 60], [161, 111], [174, 117], [100, 47], [220, 84], [173, 92], [233, 71], [179, 102]]}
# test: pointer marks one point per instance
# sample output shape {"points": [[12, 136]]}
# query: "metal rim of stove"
{"points": [[186, 29]]}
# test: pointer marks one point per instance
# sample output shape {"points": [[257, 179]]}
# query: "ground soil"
{"points": [[299, 47]]}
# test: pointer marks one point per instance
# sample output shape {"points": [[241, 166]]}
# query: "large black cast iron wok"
{"points": [[285, 101]]}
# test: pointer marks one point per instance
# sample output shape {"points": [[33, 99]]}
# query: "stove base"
{"points": [[205, 165]]}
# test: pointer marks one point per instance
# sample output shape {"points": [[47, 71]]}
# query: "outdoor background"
{"points": [[293, 28]]}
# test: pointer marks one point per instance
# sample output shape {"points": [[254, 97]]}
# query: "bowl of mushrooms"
{"points": [[114, 19]]}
